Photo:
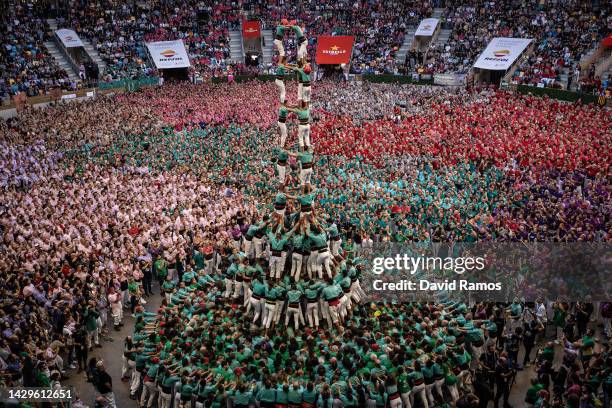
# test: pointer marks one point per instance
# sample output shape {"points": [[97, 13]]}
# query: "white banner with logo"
{"points": [[169, 54], [69, 38], [427, 27], [449, 79], [501, 53]]}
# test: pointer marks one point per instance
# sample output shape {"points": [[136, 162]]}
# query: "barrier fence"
{"points": [[131, 85], [559, 94]]}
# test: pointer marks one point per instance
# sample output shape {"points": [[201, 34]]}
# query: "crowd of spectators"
{"points": [[25, 64], [563, 32], [96, 193], [118, 31], [379, 26]]}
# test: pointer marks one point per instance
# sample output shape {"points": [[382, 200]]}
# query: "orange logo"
{"points": [[501, 53], [168, 53], [250, 30]]}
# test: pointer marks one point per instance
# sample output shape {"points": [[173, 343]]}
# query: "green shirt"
{"points": [[306, 200], [281, 71], [331, 292], [280, 199], [298, 31], [294, 295], [282, 115], [319, 240], [266, 395], [303, 115], [187, 390], [280, 30], [168, 286], [170, 381], [304, 78], [152, 371], [161, 266], [242, 398], [294, 396], [259, 288], [305, 157], [277, 244]]}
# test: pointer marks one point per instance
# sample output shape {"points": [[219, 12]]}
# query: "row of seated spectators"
{"points": [[119, 30], [25, 63], [379, 26], [563, 31]]}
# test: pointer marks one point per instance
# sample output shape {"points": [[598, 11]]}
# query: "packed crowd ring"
{"points": [[250, 221], [118, 33]]}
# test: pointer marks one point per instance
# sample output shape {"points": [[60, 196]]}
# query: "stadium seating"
{"points": [[25, 64]]}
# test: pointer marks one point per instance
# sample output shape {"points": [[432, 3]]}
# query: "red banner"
{"points": [[251, 29], [334, 49]]}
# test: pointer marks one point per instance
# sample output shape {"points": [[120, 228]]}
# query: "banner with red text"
{"points": [[251, 29], [334, 49]]}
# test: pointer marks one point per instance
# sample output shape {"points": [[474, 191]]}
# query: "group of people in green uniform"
{"points": [[309, 279]]}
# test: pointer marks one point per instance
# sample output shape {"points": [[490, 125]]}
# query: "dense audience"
{"points": [[25, 64], [379, 26], [119, 31], [102, 197], [561, 34]]}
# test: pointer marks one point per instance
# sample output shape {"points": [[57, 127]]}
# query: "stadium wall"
{"points": [[559, 94]]}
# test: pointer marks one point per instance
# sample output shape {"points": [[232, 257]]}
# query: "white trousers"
{"points": [[312, 313], [281, 89], [134, 382], [279, 46], [429, 394], [296, 266], [116, 312], [296, 313], [258, 247], [127, 366], [311, 264], [419, 391], [302, 50], [149, 394], [406, 399], [237, 289], [324, 262], [249, 248], [306, 93], [229, 287], [345, 306], [257, 305], [304, 135], [277, 265], [270, 309], [165, 399], [305, 176], [395, 403], [281, 173], [356, 288], [335, 246], [282, 128]]}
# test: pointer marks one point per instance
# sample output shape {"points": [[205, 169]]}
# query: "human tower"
{"points": [[311, 279]]}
